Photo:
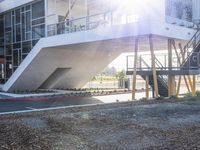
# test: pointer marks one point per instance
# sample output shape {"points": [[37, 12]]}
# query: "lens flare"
{"points": [[129, 4]]}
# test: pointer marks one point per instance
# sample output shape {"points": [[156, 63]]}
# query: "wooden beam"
{"points": [[171, 79], [183, 52], [147, 86], [186, 83], [194, 85], [155, 81], [178, 86], [135, 68]]}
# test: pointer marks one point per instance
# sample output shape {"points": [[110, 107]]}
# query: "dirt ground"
{"points": [[148, 125]]}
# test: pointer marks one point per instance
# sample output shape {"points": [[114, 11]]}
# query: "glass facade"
{"points": [[20, 30], [180, 9]]}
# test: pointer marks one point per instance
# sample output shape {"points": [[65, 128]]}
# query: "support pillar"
{"points": [[178, 88], [171, 86], [155, 81], [135, 69], [171, 78], [147, 86], [194, 85], [183, 52]]}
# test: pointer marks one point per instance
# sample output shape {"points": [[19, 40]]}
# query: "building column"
{"points": [[153, 65], [194, 85], [147, 86], [135, 68], [171, 78]]}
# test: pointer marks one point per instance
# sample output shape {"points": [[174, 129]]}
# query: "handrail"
{"points": [[162, 68], [159, 63], [189, 44], [142, 60]]}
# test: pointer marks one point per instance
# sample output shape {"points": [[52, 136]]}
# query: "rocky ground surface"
{"points": [[168, 124]]}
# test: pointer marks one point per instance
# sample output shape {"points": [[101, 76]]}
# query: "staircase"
{"points": [[189, 64], [191, 61], [162, 85], [162, 82]]}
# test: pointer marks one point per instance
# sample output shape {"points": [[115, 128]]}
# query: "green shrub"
{"points": [[188, 95], [159, 98], [173, 97], [197, 94], [144, 99]]}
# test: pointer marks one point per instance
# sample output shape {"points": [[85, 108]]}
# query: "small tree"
{"points": [[121, 75]]}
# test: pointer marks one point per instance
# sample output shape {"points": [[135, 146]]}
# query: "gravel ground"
{"points": [[148, 125]]}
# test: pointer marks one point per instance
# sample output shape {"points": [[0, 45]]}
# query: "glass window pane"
{"points": [[8, 50], [38, 31], [28, 21], [1, 50], [28, 7], [17, 16], [16, 45], [38, 10], [8, 19], [28, 35], [23, 26], [24, 56], [8, 58], [26, 47], [8, 70], [1, 26], [15, 58], [8, 37], [38, 21], [18, 33], [34, 42]]}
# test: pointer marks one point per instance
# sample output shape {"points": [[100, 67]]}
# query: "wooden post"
{"points": [[171, 79], [178, 88], [147, 86], [155, 81], [194, 85], [135, 69], [183, 52]]}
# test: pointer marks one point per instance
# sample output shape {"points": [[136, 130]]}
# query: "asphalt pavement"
{"points": [[23, 105]]}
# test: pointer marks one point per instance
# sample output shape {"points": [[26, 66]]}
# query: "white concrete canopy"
{"points": [[82, 55]]}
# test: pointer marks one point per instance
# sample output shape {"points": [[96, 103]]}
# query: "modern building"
{"points": [[64, 43]]}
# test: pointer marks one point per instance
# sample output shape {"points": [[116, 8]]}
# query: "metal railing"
{"points": [[193, 63], [192, 44], [90, 22], [76, 25]]}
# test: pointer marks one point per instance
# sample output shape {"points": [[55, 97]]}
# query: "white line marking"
{"points": [[31, 108], [46, 109]]}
